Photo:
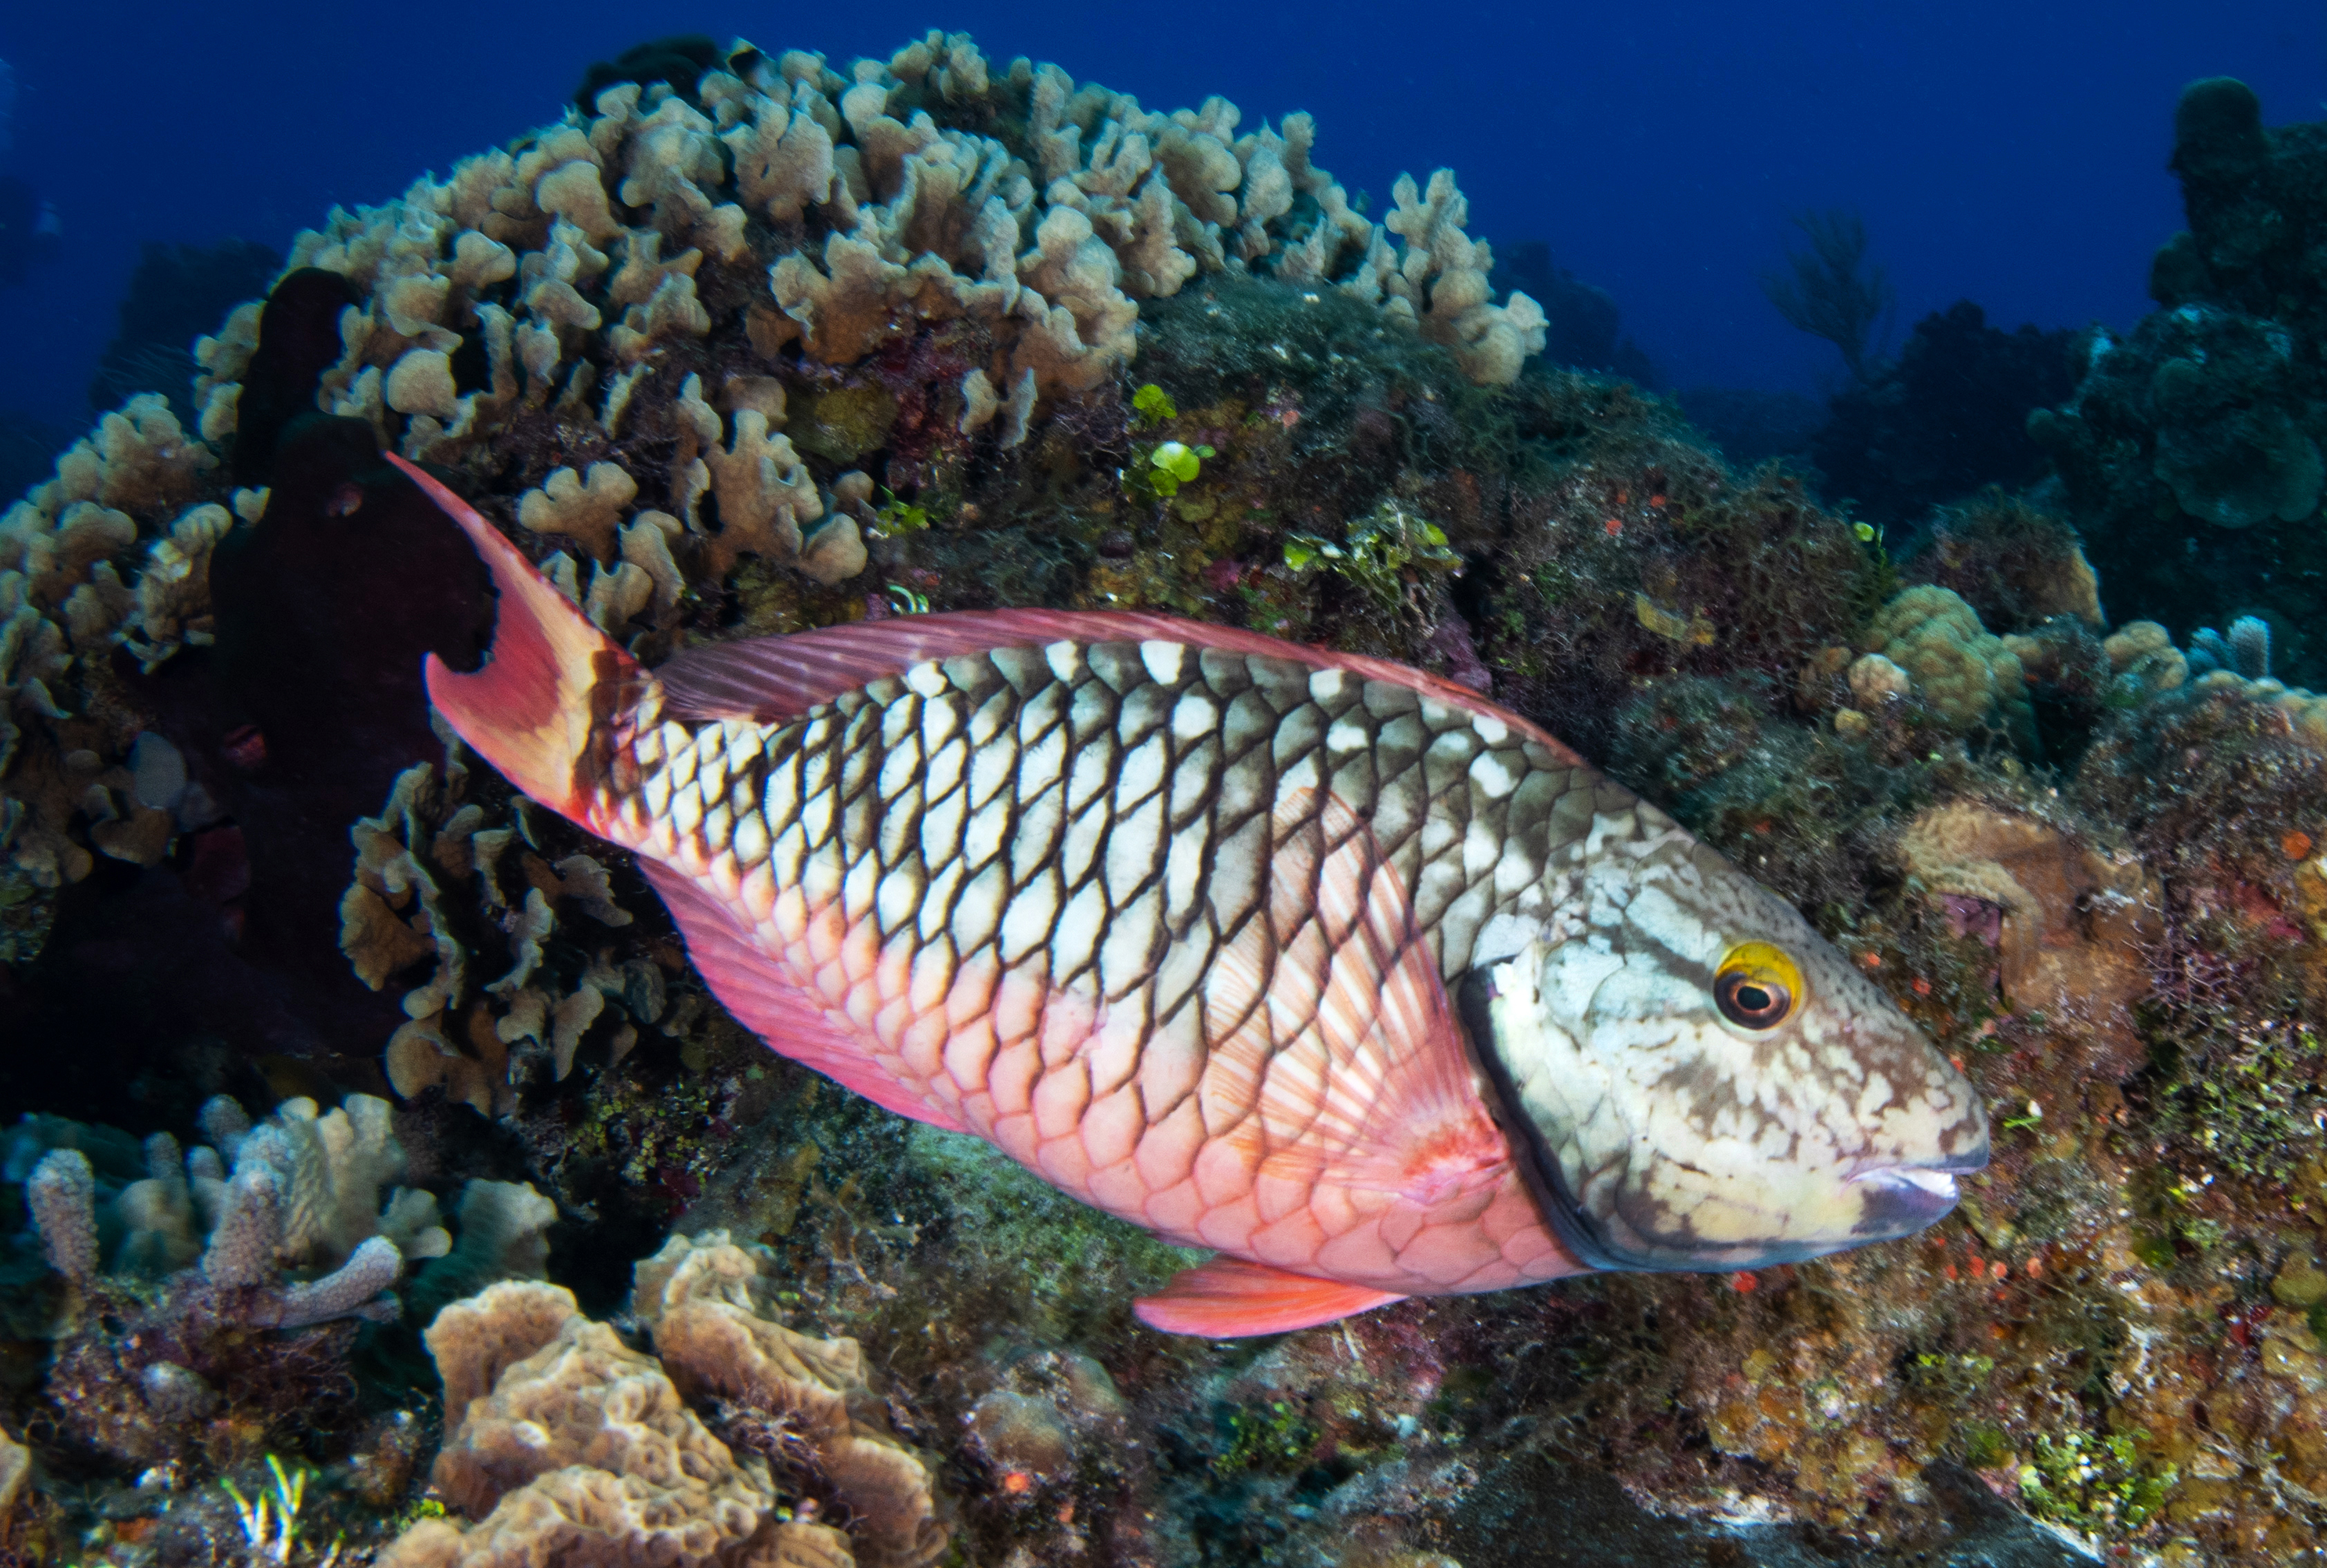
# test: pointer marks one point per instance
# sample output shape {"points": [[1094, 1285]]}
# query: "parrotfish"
{"points": [[1332, 967]]}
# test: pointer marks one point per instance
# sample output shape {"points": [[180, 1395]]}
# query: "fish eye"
{"points": [[1757, 986]]}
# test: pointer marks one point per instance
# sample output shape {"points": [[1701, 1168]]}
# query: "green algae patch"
{"points": [[844, 423], [1069, 1265]]}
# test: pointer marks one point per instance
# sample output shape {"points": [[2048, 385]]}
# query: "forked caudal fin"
{"points": [[538, 703]]}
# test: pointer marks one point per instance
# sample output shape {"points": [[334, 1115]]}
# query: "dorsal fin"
{"points": [[774, 678]]}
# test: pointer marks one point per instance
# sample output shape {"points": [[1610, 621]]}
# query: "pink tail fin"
{"points": [[534, 708]]}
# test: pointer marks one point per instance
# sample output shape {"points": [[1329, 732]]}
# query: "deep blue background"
{"points": [[2011, 152]]}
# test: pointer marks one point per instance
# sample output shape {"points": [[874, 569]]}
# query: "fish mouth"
{"points": [[1898, 1200]]}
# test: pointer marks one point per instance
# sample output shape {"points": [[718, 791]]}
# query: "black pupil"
{"points": [[1753, 1002]]}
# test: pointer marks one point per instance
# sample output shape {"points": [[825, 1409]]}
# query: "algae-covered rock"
{"points": [[844, 423], [2073, 922]]}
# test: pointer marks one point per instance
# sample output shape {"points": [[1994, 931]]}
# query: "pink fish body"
{"points": [[1165, 912]]}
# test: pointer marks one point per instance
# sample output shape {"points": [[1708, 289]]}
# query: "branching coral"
{"points": [[1827, 296], [211, 1297], [303, 1196], [296, 1242]]}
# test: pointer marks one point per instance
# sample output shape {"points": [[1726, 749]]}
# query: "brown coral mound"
{"points": [[568, 1446], [2077, 922], [581, 1451], [699, 1296]]}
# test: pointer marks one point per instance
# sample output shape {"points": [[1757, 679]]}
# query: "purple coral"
{"points": [[357, 1289], [1970, 917], [63, 1197]]}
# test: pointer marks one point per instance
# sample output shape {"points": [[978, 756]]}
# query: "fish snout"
{"points": [[1901, 1199]]}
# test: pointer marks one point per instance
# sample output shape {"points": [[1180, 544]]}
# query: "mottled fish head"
{"points": [[1703, 1082]]}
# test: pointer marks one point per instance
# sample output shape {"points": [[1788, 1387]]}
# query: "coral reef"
{"points": [[1931, 645], [209, 1292], [750, 343], [429, 889], [2016, 565], [564, 1445], [611, 332], [1945, 419], [2191, 449], [2072, 925], [15, 1466], [1630, 553]]}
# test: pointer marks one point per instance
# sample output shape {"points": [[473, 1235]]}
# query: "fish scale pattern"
{"points": [[1166, 923]]}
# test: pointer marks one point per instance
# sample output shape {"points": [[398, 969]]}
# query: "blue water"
{"points": [[2009, 152]]}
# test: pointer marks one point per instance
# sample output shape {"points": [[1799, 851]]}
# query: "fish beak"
{"points": [[1902, 1199]]}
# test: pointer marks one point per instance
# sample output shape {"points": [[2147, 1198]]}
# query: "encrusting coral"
{"points": [[2072, 924], [564, 1444]]}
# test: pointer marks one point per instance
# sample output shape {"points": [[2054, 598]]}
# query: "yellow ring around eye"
{"points": [[1758, 985]]}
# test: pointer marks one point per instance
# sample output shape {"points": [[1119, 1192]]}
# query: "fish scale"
{"points": [[1016, 872]]}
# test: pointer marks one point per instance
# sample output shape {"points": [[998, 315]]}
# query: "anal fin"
{"points": [[1229, 1298]]}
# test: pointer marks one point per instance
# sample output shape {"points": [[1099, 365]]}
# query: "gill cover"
{"points": [[1702, 1082]]}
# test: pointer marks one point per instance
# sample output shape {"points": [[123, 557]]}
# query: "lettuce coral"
{"points": [[564, 1445], [444, 879], [875, 201], [940, 251]]}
